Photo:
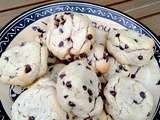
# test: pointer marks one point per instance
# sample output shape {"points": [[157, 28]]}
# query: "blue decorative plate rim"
{"points": [[9, 31]]}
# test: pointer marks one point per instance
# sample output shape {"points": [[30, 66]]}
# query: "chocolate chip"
{"points": [[65, 96], [61, 30], [151, 57], [158, 83], [128, 75], [67, 116], [135, 40], [133, 76], [56, 24], [50, 69], [120, 47], [6, 58], [62, 75], [88, 67], [90, 99], [79, 63], [91, 81], [63, 83], [140, 57], [57, 20], [61, 44], [90, 63], [117, 71], [120, 67], [134, 101], [69, 39], [71, 104], [67, 13], [99, 74], [41, 44], [83, 55], [50, 54], [88, 118], [91, 47], [44, 23], [31, 118], [89, 36], [90, 92], [68, 84], [63, 21], [126, 46], [142, 94], [27, 68], [84, 87], [117, 35], [22, 44], [113, 93], [50, 64], [11, 77], [148, 114]]}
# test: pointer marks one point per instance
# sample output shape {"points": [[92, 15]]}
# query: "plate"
{"points": [[21, 28]]}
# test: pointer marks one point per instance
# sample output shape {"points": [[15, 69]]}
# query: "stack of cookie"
{"points": [[71, 74]]}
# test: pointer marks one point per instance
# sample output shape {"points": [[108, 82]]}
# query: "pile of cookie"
{"points": [[71, 76]]}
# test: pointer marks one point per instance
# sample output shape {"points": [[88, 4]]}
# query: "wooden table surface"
{"points": [[146, 11]]}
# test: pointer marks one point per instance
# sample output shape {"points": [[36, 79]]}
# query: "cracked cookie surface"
{"points": [[130, 47], [127, 99], [78, 89], [69, 35], [23, 63]]}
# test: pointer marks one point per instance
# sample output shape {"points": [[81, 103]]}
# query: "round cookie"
{"points": [[38, 103], [78, 90], [130, 47], [127, 99], [148, 75], [69, 35], [98, 58], [23, 63]]}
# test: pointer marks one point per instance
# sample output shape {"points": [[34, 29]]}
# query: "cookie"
{"points": [[69, 35], [78, 90], [23, 63], [130, 47], [98, 58], [38, 103], [127, 99], [148, 75]]}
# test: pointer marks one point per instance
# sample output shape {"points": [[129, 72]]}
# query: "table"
{"points": [[145, 11]]}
